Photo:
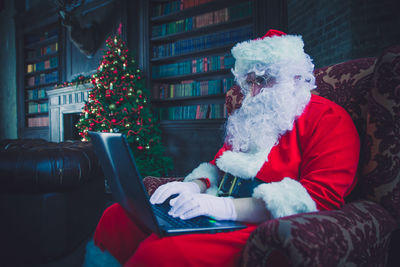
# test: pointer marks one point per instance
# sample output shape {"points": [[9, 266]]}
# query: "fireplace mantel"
{"points": [[62, 101]]}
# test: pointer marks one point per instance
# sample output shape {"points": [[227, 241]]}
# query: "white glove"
{"points": [[187, 206], [166, 190]]}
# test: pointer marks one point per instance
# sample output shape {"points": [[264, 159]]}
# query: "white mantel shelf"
{"points": [[62, 101]]}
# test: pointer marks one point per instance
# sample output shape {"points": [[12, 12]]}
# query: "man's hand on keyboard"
{"points": [[166, 190], [187, 206]]}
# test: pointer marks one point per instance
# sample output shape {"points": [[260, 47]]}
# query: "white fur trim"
{"points": [[243, 165], [281, 56], [271, 50], [206, 170], [285, 198], [213, 190]]}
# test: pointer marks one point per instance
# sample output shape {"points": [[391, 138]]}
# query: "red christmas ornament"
{"points": [[121, 99], [113, 121], [140, 147]]}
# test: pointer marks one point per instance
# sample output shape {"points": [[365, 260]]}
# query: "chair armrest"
{"points": [[151, 183], [358, 234]]}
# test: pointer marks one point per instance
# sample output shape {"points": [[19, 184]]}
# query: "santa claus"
{"points": [[287, 150]]}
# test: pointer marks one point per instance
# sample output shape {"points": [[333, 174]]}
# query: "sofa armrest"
{"points": [[151, 183], [358, 234]]}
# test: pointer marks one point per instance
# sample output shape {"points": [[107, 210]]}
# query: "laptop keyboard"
{"points": [[161, 210]]}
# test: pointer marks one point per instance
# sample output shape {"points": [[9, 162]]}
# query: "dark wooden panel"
{"points": [[191, 143]]}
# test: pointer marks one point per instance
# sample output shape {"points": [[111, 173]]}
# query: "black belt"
{"points": [[237, 187]]}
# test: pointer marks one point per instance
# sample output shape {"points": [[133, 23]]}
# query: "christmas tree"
{"points": [[119, 103]]}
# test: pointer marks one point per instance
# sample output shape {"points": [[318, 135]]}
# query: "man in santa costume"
{"points": [[287, 150]]}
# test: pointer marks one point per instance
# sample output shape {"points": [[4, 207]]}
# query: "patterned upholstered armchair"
{"points": [[359, 233]]}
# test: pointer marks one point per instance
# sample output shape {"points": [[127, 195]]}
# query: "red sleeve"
{"points": [[219, 153], [331, 149]]}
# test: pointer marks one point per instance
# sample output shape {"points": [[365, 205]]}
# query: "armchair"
{"points": [[360, 232]]}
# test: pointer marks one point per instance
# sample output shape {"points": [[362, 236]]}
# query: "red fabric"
{"points": [[321, 152], [131, 247], [206, 181], [273, 32]]}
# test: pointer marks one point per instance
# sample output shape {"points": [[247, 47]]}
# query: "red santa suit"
{"points": [[313, 167]]}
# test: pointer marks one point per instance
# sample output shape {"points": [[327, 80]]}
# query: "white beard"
{"points": [[257, 126]]}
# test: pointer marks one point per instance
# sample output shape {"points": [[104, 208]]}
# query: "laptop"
{"points": [[118, 164]]}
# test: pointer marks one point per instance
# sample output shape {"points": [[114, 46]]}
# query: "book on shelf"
{"points": [[175, 6], [208, 41], [36, 94], [191, 88], [44, 65], [38, 121], [197, 65], [34, 107], [42, 78], [239, 11], [34, 38], [42, 51], [193, 112]]}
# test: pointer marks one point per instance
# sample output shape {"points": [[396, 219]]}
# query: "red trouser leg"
{"points": [[132, 247], [221, 249], [117, 234]]}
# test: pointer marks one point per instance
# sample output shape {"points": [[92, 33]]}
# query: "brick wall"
{"points": [[337, 30]]}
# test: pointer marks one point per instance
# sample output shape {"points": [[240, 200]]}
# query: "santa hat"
{"points": [[275, 51]]}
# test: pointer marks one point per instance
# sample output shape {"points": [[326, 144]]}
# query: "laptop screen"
{"points": [[120, 169]]}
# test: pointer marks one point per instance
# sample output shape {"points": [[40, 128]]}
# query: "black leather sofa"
{"points": [[51, 198]]}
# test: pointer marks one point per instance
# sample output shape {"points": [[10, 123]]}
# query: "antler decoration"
{"points": [[88, 37]]}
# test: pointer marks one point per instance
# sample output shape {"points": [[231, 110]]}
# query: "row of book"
{"points": [[34, 38], [42, 51], [194, 112], [236, 12], [43, 78], [36, 94], [192, 88], [44, 65], [37, 107], [177, 5], [202, 42], [38, 122], [198, 65]]}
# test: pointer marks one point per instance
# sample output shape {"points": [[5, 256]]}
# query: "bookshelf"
{"points": [[190, 60], [41, 72], [189, 65]]}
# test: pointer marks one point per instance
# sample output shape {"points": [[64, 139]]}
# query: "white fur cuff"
{"points": [[206, 170], [243, 165], [285, 198]]}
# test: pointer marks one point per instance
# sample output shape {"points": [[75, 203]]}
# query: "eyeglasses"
{"points": [[259, 81]]}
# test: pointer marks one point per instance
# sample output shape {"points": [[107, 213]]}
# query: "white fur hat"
{"points": [[276, 52]]}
